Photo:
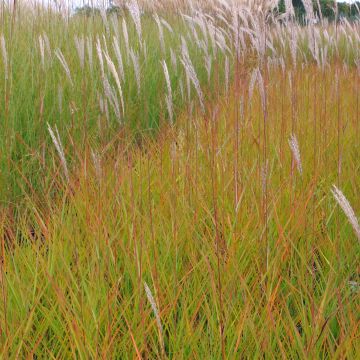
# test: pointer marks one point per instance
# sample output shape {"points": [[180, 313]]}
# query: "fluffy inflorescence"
{"points": [[347, 209]]}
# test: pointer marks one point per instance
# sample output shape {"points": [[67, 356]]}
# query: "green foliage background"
{"points": [[327, 8]]}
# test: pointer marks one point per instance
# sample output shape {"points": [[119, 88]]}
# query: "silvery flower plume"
{"points": [[80, 48], [119, 58], [169, 98], [347, 209], [58, 145], [289, 8], [115, 74], [161, 32], [136, 64], [134, 10], [156, 312], [294, 146], [64, 64], [97, 163], [191, 74], [4, 56]]}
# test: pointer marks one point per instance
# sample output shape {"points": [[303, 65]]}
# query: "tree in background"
{"points": [[327, 7]]}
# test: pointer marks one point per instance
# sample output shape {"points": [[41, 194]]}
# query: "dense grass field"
{"points": [[179, 184]]}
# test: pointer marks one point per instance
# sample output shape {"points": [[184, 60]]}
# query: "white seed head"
{"points": [[47, 44], [64, 64], [126, 38], [167, 77], [227, 72], [252, 82], [208, 66], [104, 19], [289, 8], [111, 96], [4, 56], [168, 98], [113, 71], [155, 311], [80, 48], [58, 145], [191, 76], [97, 163], [309, 10], [100, 57], [161, 32], [134, 10], [347, 209], [294, 146], [119, 58], [167, 25], [135, 60], [173, 59]]}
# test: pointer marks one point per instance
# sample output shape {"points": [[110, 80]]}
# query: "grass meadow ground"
{"points": [[178, 185]]}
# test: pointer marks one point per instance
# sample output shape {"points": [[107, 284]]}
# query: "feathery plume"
{"points": [[80, 48], [235, 29], [110, 94], [293, 47], [173, 59], [256, 76], [134, 10], [58, 145], [252, 82], [64, 64], [135, 60], [101, 60], [289, 9], [161, 32], [191, 74], [104, 19], [126, 38], [347, 209], [97, 163], [167, 25], [119, 58], [227, 72], [4, 56], [169, 99], [47, 44], [309, 10], [167, 76], [112, 69], [115, 25], [294, 146], [319, 9], [105, 44], [208, 65], [156, 313]]}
